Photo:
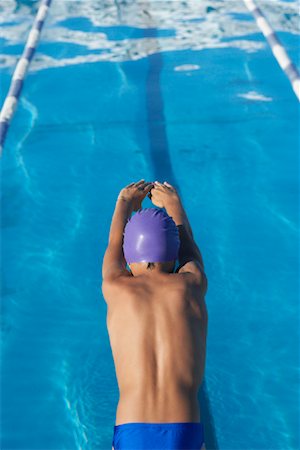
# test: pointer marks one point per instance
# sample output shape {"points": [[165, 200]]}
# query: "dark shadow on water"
{"points": [[158, 141], [207, 419]]}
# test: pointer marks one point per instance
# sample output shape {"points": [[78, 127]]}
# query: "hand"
{"points": [[163, 195], [135, 193]]}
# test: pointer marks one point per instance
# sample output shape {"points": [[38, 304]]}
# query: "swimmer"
{"points": [[156, 320]]}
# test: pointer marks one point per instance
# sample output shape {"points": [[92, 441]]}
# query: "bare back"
{"points": [[157, 327]]}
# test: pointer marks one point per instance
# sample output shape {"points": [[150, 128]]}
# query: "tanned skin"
{"points": [[156, 319]]}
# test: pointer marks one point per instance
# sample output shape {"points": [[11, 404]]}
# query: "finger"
{"points": [[160, 185], [145, 188], [129, 185], [139, 182], [145, 185], [148, 188], [141, 186], [168, 184]]}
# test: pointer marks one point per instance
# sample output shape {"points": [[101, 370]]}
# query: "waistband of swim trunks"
{"points": [[160, 424]]}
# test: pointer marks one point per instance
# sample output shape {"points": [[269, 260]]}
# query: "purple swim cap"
{"points": [[151, 235]]}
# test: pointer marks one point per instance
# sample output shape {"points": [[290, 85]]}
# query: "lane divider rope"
{"points": [[13, 95], [277, 48]]}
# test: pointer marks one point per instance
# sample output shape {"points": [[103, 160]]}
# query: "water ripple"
{"points": [[192, 25]]}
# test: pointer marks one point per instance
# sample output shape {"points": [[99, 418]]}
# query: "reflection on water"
{"points": [[124, 30]]}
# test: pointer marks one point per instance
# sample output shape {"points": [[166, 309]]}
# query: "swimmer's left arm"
{"points": [[129, 199]]}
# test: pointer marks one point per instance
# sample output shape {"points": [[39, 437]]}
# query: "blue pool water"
{"points": [[185, 92]]}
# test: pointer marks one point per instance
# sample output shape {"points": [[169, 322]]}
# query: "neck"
{"points": [[152, 269]]}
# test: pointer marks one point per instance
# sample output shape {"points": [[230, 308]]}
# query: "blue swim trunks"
{"points": [[158, 436]]}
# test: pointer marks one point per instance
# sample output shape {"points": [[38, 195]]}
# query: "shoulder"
{"points": [[113, 287], [192, 272]]}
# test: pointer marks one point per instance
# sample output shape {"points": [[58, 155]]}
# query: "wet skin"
{"points": [[156, 319], [157, 326]]}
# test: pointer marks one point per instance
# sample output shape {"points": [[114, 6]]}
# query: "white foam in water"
{"points": [[79, 429], [33, 115], [186, 67], [255, 96], [217, 30]]}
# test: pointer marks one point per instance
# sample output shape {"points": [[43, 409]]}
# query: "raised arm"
{"points": [[190, 258], [129, 199]]}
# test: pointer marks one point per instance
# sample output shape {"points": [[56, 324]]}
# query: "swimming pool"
{"points": [[185, 92]]}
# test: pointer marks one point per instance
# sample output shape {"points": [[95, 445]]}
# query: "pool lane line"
{"points": [[13, 95], [277, 48]]}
